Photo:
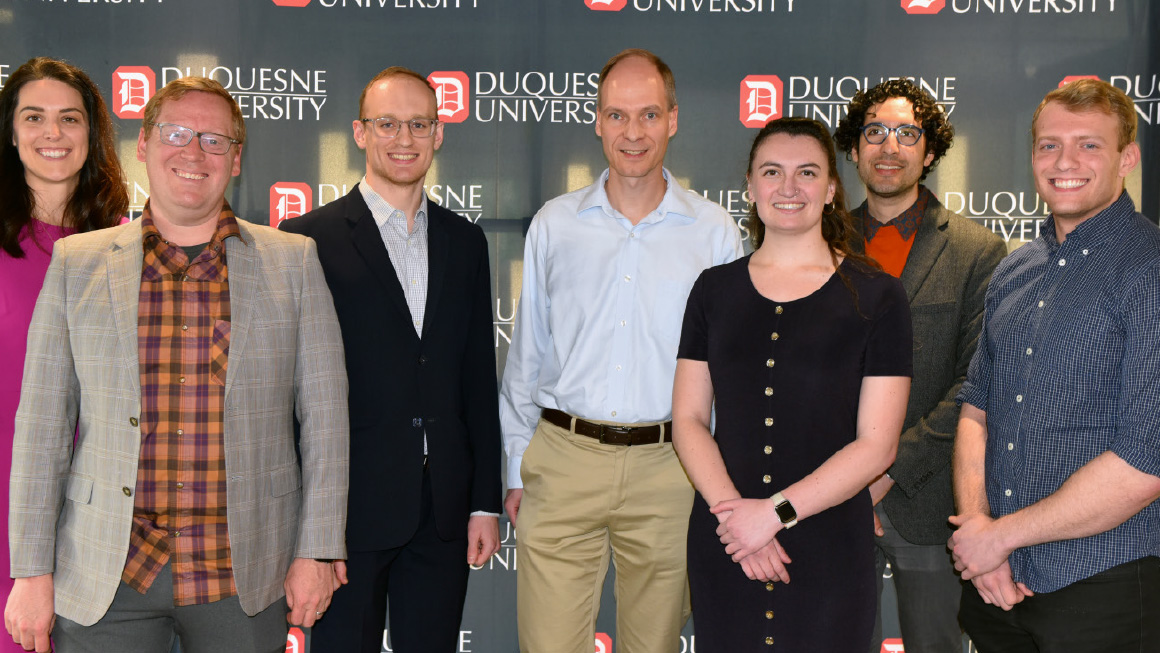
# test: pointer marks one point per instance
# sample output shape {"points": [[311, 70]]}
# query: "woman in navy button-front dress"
{"points": [[805, 348]]}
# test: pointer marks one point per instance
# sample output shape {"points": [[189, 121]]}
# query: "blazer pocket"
{"points": [[285, 480], [219, 352], [79, 489]]}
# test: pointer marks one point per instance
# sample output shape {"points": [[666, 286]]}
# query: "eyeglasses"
{"points": [[179, 136], [876, 133], [388, 127]]}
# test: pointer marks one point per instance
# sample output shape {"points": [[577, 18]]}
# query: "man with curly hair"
{"points": [[896, 133]]}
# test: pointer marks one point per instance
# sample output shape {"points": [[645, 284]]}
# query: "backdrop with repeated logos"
{"points": [[517, 85]]}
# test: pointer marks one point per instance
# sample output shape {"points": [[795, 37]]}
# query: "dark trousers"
{"points": [[426, 580], [1115, 611], [149, 623]]}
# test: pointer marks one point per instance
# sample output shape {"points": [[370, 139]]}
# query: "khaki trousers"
{"points": [[584, 501]]}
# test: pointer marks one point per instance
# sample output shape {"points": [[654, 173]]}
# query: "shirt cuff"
{"points": [[514, 482], [971, 394], [484, 513]]}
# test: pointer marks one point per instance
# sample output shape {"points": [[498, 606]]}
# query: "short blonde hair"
{"points": [[1094, 95]]}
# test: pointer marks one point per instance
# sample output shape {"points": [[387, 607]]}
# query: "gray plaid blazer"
{"points": [[71, 507]]}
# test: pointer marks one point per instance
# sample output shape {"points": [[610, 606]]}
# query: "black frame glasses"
{"points": [[876, 133]]}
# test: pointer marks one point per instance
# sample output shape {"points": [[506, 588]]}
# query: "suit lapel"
{"points": [[929, 241], [245, 287], [436, 260], [124, 269], [368, 242]]}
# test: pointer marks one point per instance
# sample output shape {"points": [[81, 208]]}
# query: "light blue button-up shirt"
{"points": [[599, 317]]}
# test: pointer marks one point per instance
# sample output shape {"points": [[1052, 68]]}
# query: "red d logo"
{"points": [[291, 3], [289, 199], [761, 98], [893, 645], [295, 641], [132, 88], [452, 91], [923, 6], [603, 643]]}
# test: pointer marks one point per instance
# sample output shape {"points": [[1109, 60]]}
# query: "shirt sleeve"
{"points": [[694, 333], [889, 349], [518, 412], [977, 386], [1137, 437]]}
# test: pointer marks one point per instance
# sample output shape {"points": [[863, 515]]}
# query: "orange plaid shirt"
{"points": [[183, 336]]}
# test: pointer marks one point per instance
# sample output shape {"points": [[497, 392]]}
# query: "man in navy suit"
{"points": [[411, 285]]}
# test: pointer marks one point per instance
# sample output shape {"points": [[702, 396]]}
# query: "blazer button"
{"points": [[417, 422], [127, 491], [422, 359], [132, 421]]}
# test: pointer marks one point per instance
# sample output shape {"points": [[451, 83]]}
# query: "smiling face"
{"points": [[187, 185], [51, 133], [789, 184], [1078, 168], [888, 169], [634, 122], [401, 162]]}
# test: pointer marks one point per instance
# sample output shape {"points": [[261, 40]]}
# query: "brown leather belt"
{"points": [[609, 434]]}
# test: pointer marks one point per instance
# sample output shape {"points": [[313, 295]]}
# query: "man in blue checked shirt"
{"points": [[1057, 458]]}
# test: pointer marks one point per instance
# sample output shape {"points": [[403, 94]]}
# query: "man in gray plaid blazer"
{"points": [[158, 490]]}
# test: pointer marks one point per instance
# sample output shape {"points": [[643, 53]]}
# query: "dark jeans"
{"points": [[1115, 611]]}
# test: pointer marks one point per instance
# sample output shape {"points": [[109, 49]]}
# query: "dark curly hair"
{"points": [[930, 115], [100, 198], [839, 229]]}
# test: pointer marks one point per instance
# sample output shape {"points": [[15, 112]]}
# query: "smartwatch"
{"points": [[784, 510]]}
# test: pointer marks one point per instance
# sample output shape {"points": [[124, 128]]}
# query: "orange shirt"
{"points": [[889, 244]]}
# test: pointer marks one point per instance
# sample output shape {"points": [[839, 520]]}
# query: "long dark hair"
{"points": [[839, 229], [100, 198]]}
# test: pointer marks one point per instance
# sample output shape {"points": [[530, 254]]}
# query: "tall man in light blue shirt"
{"points": [[587, 392]]}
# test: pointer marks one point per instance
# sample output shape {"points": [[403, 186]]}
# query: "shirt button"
{"points": [[614, 413], [769, 641], [185, 327], [769, 363], [627, 278], [181, 379], [768, 391], [132, 421], [1041, 303], [769, 421], [414, 282], [617, 368], [778, 310], [767, 479], [768, 449], [1062, 262], [773, 336], [417, 422], [622, 323], [1085, 252], [632, 235], [1007, 492], [176, 533], [1018, 399], [127, 491], [1010, 446], [769, 587], [180, 485], [1028, 351], [181, 431], [769, 614]]}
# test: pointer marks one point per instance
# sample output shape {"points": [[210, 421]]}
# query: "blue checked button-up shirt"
{"points": [[1068, 367]]}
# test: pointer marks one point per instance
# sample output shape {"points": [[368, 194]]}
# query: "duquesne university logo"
{"points": [[923, 6], [132, 88], [289, 199], [893, 645], [452, 92], [761, 100], [605, 5]]}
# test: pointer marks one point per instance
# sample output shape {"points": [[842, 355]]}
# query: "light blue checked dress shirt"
{"points": [[1068, 367]]}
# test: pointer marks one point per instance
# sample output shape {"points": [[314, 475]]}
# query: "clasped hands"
{"points": [[747, 528], [981, 557]]}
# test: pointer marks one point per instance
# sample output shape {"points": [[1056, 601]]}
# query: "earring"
{"points": [[828, 209]]}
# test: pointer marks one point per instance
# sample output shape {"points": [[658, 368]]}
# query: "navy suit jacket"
{"points": [[402, 386]]}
